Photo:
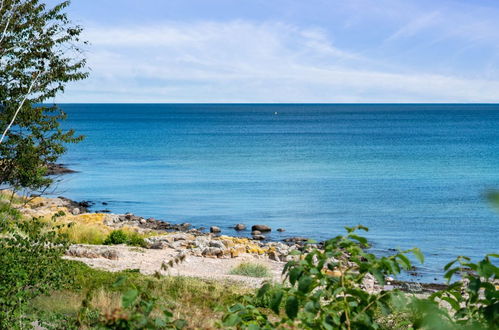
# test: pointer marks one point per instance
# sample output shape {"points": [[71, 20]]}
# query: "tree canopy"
{"points": [[40, 52]]}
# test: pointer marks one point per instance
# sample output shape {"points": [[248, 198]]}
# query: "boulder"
{"points": [[217, 244], [256, 232], [75, 211], [84, 251], [240, 226], [262, 228], [212, 252], [281, 230], [258, 237], [215, 229], [295, 239]]}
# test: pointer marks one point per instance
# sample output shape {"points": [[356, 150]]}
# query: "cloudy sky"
{"points": [[288, 51]]}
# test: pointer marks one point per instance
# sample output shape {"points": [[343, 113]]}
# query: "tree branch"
{"points": [[20, 106]]}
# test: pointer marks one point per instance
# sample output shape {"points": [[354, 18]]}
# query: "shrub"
{"points": [[326, 289], [30, 266], [116, 237], [122, 237], [136, 240], [251, 270]]}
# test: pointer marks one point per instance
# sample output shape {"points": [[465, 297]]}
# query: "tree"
{"points": [[40, 52]]}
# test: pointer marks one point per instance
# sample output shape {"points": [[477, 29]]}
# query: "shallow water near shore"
{"points": [[414, 174]]}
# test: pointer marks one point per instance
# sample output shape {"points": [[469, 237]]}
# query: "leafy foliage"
{"points": [[473, 301], [39, 55], [121, 237], [30, 265], [327, 288]]}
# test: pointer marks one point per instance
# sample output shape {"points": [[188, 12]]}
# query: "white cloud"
{"points": [[242, 61]]}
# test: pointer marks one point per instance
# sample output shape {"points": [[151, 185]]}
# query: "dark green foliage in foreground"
{"points": [[326, 289], [30, 265], [120, 237], [474, 301], [326, 293], [39, 55]]}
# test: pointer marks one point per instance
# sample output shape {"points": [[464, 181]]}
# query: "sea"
{"points": [[415, 174]]}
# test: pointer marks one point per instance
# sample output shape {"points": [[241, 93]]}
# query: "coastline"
{"points": [[180, 249]]}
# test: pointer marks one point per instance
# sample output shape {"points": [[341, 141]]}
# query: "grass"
{"points": [[250, 269], [201, 302], [81, 233]]}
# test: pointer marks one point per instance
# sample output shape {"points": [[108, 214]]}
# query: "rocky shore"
{"points": [[181, 248]]}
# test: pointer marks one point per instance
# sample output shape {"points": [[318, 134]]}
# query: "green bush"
{"points": [[121, 237], [30, 266], [136, 240], [116, 237], [250, 269], [327, 292]]}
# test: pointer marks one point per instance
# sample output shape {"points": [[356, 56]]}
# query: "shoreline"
{"points": [[167, 242]]}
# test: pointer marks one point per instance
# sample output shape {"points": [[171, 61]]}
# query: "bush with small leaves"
{"points": [[116, 237], [473, 300], [30, 265], [326, 289]]}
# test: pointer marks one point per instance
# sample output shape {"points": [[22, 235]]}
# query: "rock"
{"points": [[215, 229], [143, 221], [281, 230], [201, 242], [103, 211], [256, 232], [258, 237], [217, 244], [295, 239], [55, 169], [273, 255], [262, 228], [240, 226], [82, 251], [75, 211], [159, 245], [212, 252]]}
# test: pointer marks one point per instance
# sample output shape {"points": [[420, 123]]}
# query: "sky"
{"points": [[266, 51]]}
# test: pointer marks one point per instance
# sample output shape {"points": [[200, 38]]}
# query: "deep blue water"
{"points": [[414, 174]]}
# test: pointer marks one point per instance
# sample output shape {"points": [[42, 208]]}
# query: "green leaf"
{"points": [[129, 297], [406, 263], [263, 290], [275, 302], [454, 304], [304, 284], [360, 239], [292, 307], [232, 320], [294, 274], [418, 254]]}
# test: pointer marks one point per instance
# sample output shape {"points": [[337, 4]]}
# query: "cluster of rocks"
{"points": [[92, 251], [220, 247], [131, 220]]}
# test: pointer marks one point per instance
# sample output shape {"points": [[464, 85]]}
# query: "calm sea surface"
{"points": [[414, 174]]}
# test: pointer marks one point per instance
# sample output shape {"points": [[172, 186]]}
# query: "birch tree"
{"points": [[40, 52]]}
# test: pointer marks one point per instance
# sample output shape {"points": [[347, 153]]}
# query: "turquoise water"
{"points": [[414, 174]]}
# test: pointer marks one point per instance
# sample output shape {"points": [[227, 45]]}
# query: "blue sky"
{"points": [[288, 51]]}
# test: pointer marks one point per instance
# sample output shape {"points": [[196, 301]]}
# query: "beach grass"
{"points": [[201, 302], [250, 269]]}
